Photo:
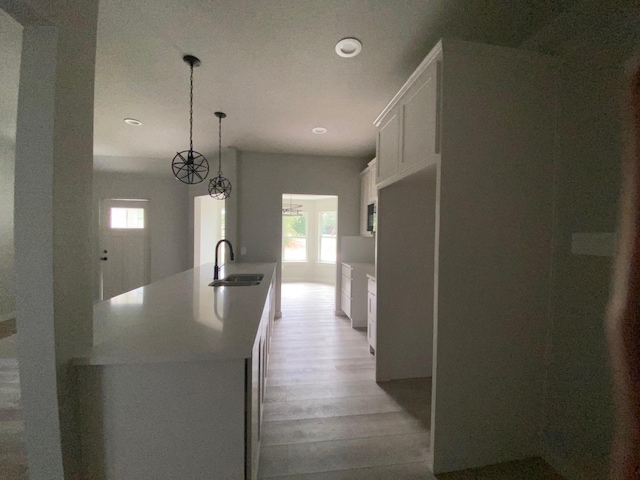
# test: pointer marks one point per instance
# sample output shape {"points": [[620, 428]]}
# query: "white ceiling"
{"points": [[271, 66]]}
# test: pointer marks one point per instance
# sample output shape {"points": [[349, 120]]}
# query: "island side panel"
{"points": [[164, 420]]}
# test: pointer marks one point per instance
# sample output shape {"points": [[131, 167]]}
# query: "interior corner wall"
{"points": [[405, 277], [579, 403], [167, 211], [594, 91], [264, 177], [10, 46], [52, 229]]}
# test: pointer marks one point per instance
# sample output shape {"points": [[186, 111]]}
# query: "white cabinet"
{"points": [[354, 292], [371, 313], [371, 174], [188, 412], [364, 202], [368, 195], [256, 382], [474, 127], [409, 128], [388, 146]]}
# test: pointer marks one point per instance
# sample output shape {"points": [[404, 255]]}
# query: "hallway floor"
{"points": [[326, 418], [13, 456]]}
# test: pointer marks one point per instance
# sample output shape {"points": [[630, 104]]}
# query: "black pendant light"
{"points": [[189, 166], [220, 187]]}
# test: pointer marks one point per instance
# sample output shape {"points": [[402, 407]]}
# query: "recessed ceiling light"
{"points": [[348, 47], [319, 130], [132, 121]]}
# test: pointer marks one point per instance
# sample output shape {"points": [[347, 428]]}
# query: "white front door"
{"points": [[124, 246]]}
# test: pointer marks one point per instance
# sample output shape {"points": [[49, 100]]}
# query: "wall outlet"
{"points": [[243, 250]]}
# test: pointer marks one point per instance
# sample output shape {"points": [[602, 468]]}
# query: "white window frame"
{"points": [[320, 237]]}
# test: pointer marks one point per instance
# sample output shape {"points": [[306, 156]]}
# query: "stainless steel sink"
{"points": [[245, 277], [238, 280]]}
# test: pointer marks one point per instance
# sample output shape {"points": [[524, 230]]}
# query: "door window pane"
{"points": [[127, 217]]}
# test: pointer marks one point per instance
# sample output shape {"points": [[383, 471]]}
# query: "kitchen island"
{"points": [[174, 384]]}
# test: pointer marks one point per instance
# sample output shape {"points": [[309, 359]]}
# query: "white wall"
{"points": [[263, 178], [207, 229], [312, 270], [494, 256], [10, 46], [594, 40], [405, 277], [52, 228], [167, 217], [231, 204]]}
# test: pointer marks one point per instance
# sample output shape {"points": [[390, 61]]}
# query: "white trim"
{"points": [[433, 55]]}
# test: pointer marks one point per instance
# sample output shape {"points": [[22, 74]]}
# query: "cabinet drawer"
{"points": [[371, 333], [346, 286], [347, 271], [371, 286], [346, 305], [371, 307]]}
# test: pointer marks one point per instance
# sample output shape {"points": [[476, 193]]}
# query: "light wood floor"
{"points": [[13, 456], [327, 419]]}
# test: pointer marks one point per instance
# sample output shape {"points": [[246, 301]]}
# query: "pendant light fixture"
{"points": [[189, 166], [220, 187], [291, 209]]}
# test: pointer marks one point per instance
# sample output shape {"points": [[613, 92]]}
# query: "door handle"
{"points": [[104, 259]]}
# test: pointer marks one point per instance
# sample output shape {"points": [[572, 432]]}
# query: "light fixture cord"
{"points": [[220, 145], [191, 111]]}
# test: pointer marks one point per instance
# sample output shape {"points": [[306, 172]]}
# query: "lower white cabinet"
{"points": [[194, 419], [354, 292], [371, 313], [368, 195]]}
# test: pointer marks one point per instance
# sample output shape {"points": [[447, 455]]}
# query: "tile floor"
{"points": [[326, 418], [13, 456]]}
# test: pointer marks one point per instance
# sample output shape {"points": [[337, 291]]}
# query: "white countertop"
{"points": [[181, 318]]}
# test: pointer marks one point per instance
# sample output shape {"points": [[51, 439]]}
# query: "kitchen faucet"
{"points": [[216, 269]]}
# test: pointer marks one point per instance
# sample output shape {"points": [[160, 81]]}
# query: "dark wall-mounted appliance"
{"points": [[371, 217]]}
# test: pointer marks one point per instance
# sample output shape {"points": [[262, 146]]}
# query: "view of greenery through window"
{"points": [[328, 232], [295, 237]]}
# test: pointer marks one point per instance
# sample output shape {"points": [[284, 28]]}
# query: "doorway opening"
{"points": [[209, 227], [309, 238], [124, 246]]}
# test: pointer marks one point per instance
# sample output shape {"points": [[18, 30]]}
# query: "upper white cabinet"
{"points": [[409, 127], [420, 122], [388, 147], [368, 195], [373, 188]]}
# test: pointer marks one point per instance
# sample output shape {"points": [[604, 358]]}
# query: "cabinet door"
{"points": [[371, 304], [373, 188], [253, 385], [346, 304], [388, 148], [364, 201], [420, 124]]}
